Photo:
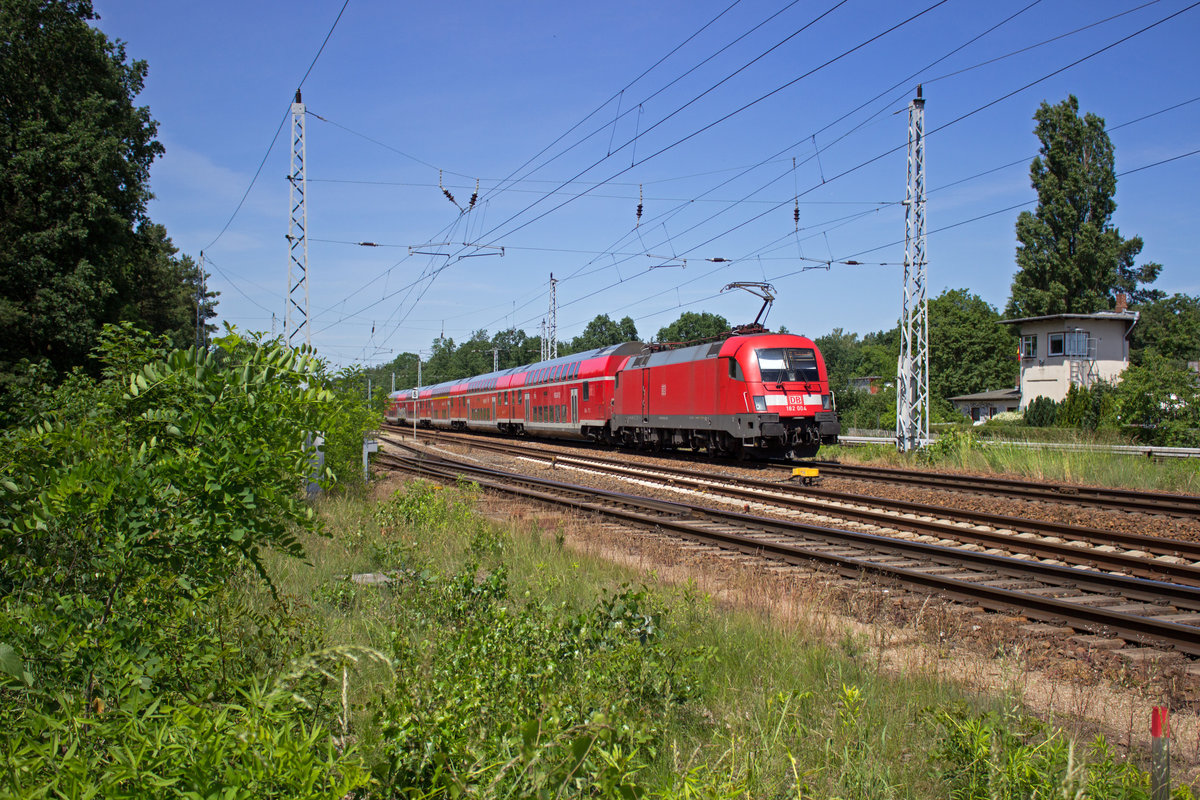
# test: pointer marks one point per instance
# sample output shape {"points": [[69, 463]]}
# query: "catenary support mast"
{"points": [[552, 324], [296, 324], [912, 372]]}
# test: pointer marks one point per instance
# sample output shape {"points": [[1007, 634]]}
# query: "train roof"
{"points": [[492, 380], [725, 347]]}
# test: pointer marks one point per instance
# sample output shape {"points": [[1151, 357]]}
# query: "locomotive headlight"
{"points": [[826, 402], [760, 403]]}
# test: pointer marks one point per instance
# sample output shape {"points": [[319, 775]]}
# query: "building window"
{"points": [[1029, 345], [1077, 344], [1055, 344]]}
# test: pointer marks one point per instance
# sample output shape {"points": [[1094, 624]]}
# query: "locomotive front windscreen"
{"points": [[780, 364]]}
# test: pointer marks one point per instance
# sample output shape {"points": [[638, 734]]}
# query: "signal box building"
{"points": [[1059, 350]]}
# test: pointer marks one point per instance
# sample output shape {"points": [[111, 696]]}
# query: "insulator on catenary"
{"points": [[446, 192], [796, 215], [474, 196], [639, 208]]}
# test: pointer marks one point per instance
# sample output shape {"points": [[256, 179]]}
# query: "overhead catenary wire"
{"points": [[790, 200], [727, 116], [985, 32], [275, 137]]}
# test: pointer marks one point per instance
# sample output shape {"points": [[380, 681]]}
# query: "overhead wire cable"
{"points": [[959, 119], [968, 114], [278, 128], [593, 113], [679, 109], [1042, 43]]}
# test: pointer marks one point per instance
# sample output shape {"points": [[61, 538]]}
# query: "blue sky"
{"points": [[484, 90]]}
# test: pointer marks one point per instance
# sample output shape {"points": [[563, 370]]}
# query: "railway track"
{"points": [[1176, 505], [1144, 556], [1139, 610], [1180, 505]]}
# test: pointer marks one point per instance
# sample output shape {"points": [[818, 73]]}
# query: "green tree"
{"points": [[1162, 400], [1170, 327], [691, 327], [602, 331], [843, 356], [77, 249], [516, 347], [969, 350], [1070, 258]]}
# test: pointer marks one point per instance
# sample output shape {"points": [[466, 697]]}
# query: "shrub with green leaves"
{"points": [[500, 693], [991, 757], [1161, 400], [124, 510], [1041, 412]]}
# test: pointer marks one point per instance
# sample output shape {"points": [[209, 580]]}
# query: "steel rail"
{"points": [[1181, 505], [1095, 559], [1135, 541], [1122, 499], [681, 518]]}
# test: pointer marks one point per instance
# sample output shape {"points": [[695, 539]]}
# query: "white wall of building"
{"points": [[1058, 361]]}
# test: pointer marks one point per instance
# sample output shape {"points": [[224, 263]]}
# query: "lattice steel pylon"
{"points": [[912, 371], [552, 321], [296, 318]]}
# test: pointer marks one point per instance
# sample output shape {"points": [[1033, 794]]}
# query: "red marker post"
{"points": [[1160, 743]]}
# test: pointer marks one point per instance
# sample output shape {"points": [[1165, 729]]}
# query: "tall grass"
{"points": [[968, 453], [673, 693]]}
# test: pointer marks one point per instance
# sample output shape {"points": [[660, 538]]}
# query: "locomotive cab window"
{"points": [[779, 364], [735, 370]]}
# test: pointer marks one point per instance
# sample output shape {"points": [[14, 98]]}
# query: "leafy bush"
{"points": [[1041, 412], [1162, 401], [989, 757], [127, 507], [953, 442], [1087, 408], [500, 694]]}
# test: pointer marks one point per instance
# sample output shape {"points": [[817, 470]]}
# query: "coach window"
{"points": [[585, 390]]}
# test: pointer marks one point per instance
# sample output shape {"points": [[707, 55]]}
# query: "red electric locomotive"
{"points": [[764, 393]]}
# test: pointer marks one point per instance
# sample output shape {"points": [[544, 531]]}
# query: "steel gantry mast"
{"points": [[552, 321], [912, 372], [296, 319]]}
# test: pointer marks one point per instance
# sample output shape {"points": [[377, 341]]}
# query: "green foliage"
{"points": [[1069, 257], [255, 747], [847, 357], [1088, 408], [77, 249], [863, 410], [128, 506], [952, 443], [1170, 327], [1161, 400], [1041, 412], [990, 757], [505, 694], [969, 350], [691, 327], [602, 332]]}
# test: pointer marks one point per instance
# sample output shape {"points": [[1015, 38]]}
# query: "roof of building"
{"points": [[1129, 317], [995, 394]]}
